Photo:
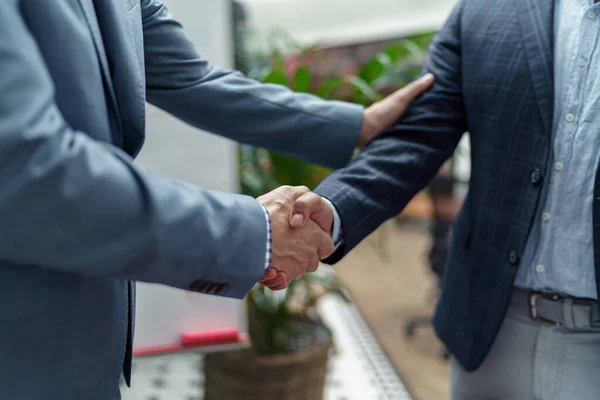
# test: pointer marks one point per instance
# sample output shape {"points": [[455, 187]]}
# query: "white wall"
{"points": [[174, 149], [346, 21]]}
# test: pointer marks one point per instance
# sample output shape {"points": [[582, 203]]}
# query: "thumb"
{"points": [[326, 246], [298, 218], [392, 107], [384, 113], [311, 206], [413, 90]]}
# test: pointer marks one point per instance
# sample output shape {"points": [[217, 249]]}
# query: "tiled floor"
{"points": [[359, 371], [391, 283]]}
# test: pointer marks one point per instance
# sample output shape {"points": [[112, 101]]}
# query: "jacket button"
{"points": [[222, 289], [513, 257], [196, 286], [200, 286], [536, 177]]}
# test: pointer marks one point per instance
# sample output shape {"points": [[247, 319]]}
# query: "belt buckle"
{"points": [[593, 310], [533, 307]]}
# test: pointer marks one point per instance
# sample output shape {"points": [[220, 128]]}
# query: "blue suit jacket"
{"points": [[80, 221], [493, 62]]}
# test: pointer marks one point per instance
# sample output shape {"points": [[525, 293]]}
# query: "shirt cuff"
{"points": [[336, 231], [269, 250]]}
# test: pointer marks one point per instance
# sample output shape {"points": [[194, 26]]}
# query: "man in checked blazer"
{"points": [[80, 222], [519, 306]]}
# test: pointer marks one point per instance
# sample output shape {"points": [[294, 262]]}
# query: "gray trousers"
{"points": [[533, 361]]}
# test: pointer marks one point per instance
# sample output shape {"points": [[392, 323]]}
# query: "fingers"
{"points": [[386, 112], [390, 109], [298, 218], [280, 279], [312, 206], [278, 287], [309, 261], [270, 274], [303, 207], [281, 199], [313, 263], [293, 192], [326, 246], [413, 90], [318, 245]]}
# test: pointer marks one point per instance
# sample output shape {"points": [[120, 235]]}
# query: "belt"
{"points": [[550, 308]]}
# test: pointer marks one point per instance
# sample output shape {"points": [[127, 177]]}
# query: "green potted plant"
{"points": [[290, 344]]}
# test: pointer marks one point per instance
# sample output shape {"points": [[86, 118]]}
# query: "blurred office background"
{"points": [[351, 50]]}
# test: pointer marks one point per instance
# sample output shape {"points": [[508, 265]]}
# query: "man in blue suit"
{"points": [[80, 222], [519, 306]]}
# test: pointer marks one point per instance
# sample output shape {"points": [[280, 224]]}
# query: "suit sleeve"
{"points": [[382, 179], [71, 204], [226, 103]]}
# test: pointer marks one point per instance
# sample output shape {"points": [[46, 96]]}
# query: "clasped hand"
{"points": [[301, 223]]}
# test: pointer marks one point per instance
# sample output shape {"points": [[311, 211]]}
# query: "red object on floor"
{"points": [[218, 336], [190, 340]]}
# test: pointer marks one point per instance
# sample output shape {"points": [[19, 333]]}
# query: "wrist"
{"points": [[336, 225], [367, 129]]}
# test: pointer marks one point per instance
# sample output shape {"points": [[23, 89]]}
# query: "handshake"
{"points": [[301, 223]]}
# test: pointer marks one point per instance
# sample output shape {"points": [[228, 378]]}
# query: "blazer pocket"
{"points": [[23, 292]]}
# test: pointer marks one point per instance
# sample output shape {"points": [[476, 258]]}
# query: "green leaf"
{"points": [[289, 171], [277, 77], [375, 67], [403, 50], [398, 75], [278, 61], [276, 73], [329, 87], [424, 39], [302, 79], [363, 90]]}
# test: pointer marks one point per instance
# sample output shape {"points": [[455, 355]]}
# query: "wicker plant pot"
{"points": [[245, 375]]}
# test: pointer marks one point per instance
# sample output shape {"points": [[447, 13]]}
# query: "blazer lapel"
{"points": [[537, 30], [121, 25], [92, 20]]}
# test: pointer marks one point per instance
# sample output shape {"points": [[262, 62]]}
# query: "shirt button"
{"points": [[581, 62], [546, 216], [570, 117], [536, 177], [591, 15], [559, 166], [539, 268], [513, 257]]}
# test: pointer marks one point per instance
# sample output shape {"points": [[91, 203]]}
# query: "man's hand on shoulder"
{"points": [[294, 251], [383, 114]]}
